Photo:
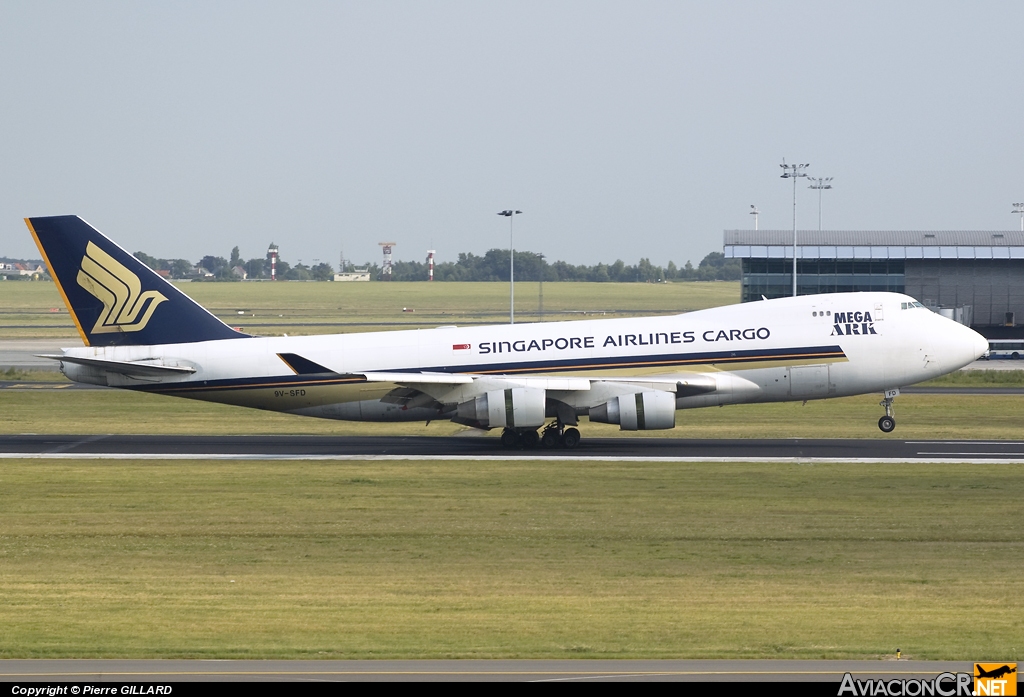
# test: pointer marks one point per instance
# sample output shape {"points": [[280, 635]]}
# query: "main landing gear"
{"points": [[554, 435], [888, 422]]}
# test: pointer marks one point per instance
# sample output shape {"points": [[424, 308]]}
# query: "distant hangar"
{"points": [[976, 277]]}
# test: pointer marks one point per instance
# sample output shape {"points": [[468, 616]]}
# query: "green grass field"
{"points": [[510, 559], [35, 309]]}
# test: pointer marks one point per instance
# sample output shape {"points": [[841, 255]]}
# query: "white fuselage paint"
{"points": [[768, 351]]}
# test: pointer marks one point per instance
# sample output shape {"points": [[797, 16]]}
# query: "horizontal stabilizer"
{"points": [[140, 368]]}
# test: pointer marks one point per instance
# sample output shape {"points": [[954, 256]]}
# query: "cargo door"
{"points": [[808, 381]]}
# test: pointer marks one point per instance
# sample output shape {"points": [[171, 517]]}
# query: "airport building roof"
{"points": [[875, 244]]}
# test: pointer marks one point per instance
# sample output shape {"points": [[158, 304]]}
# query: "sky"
{"points": [[621, 129]]}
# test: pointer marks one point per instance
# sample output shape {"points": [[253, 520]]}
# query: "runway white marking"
{"points": [[966, 454], [513, 458], [964, 442]]}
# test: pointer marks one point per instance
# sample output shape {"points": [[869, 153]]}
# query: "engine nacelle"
{"points": [[518, 407], [643, 411]]}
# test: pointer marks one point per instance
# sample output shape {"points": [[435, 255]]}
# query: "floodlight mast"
{"points": [[819, 184], [1018, 208], [510, 214], [754, 212], [793, 172]]}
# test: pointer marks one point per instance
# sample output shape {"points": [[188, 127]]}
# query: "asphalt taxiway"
{"points": [[172, 671], [284, 447]]}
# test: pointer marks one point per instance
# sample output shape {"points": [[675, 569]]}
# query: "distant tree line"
{"points": [[227, 269], [530, 266], [492, 266]]}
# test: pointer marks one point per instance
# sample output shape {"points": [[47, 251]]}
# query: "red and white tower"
{"points": [[430, 264], [272, 255]]}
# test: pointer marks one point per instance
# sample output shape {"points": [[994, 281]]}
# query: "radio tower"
{"points": [[430, 264], [385, 272]]}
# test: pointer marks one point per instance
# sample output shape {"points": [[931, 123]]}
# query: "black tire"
{"points": [[509, 439], [570, 439], [550, 439], [529, 439], [887, 424]]}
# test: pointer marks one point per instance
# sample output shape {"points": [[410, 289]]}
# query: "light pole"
{"points": [[754, 212], [1018, 208], [540, 309], [819, 184], [510, 214], [793, 172]]}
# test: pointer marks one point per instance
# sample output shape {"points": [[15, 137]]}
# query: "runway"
{"points": [[173, 671], [283, 447]]}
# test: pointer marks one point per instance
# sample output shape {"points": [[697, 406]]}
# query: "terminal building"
{"points": [[975, 277]]}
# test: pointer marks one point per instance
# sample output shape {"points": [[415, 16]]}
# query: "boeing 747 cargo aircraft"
{"points": [[534, 381]]}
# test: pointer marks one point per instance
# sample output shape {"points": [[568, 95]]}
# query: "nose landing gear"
{"points": [[888, 422]]}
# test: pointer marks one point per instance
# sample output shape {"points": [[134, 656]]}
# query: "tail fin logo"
{"points": [[125, 307]]}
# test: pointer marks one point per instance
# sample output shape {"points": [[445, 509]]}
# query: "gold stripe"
{"points": [[53, 275]]}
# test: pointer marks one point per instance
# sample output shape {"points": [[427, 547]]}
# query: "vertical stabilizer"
{"points": [[115, 299]]}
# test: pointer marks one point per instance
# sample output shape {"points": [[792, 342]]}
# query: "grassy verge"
{"points": [[18, 375], [979, 378], [554, 560], [36, 309], [918, 416]]}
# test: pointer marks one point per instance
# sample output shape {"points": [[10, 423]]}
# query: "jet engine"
{"points": [[518, 407], [643, 411]]}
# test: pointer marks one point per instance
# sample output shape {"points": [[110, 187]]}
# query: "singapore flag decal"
{"points": [[461, 347]]}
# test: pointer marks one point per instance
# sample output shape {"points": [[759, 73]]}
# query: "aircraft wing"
{"points": [[448, 387]]}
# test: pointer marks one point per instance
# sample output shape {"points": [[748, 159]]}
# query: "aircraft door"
{"points": [[810, 381]]}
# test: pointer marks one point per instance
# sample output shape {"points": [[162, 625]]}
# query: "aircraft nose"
{"points": [[980, 345]]}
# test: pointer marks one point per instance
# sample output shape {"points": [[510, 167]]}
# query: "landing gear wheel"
{"points": [[509, 439], [529, 439], [570, 438], [550, 438], [888, 422]]}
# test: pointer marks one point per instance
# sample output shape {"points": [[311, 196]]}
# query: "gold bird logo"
{"points": [[120, 292]]}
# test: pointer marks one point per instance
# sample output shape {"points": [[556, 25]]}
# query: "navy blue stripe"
{"points": [[660, 360], [576, 364]]}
